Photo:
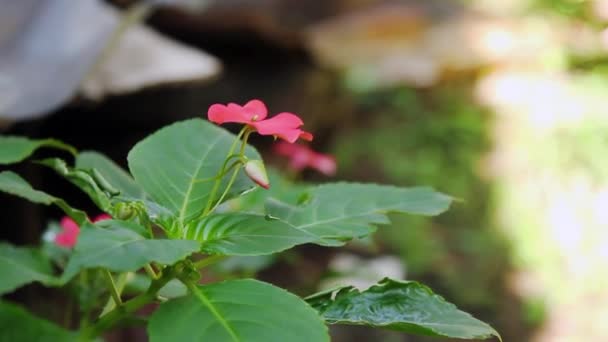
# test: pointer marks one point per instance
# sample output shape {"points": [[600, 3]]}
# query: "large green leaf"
{"points": [[16, 324], [114, 174], [82, 179], [281, 189], [244, 234], [174, 166], [399, 305], [343, 211], [21, 266], [13, 184], [237, 310], [15, 149], [122, 246]]}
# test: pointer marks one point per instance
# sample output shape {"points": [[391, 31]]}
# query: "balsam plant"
{"points": [[187, 204]]}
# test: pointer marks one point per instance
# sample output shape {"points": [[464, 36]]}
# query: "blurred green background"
{"points": [[499, 103]]}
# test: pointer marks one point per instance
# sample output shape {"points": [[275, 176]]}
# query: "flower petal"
{"points": [[69, 225], [302, 156], [256, 107], [284, 126], [102, 217], [219, 114], [323, 163], [306, 136], [286, 149], [69, 235]]}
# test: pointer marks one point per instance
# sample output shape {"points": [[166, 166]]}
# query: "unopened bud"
{"points": [[257, 172], [124, 211]]}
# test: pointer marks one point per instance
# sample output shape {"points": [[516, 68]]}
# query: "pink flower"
{"points": [[302, 157], [283, 125], [102, 217], [69, 233], [70, 230]]}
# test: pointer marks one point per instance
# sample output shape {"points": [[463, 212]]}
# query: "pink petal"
{"points": [[233, 112], [69, 235], [283, 125], [286, 149], [68, 224], [220, 114], [299, 155], [256, 107], [102, 217], [306, 136], [302, 156], [299, 161], [323, 163]]}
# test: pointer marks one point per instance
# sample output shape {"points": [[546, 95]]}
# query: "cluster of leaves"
{"points": [[445, 137], [162, 224]]}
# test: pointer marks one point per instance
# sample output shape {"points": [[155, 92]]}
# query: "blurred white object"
{"points": [[48, 48], [362, 273], [143, 58]]}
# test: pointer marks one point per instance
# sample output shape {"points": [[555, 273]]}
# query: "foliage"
{"points": [[438, 138], [167, 222]]}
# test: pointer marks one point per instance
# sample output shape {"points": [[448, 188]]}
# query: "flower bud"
{"points": [[124, 211], [257, 172]]}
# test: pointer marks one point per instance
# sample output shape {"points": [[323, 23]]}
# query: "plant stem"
{"points": [[245, 131], [228, 186], [125, 309], [234, 173], [112, 286], [150, 271], [222, 172], [208, 261]]}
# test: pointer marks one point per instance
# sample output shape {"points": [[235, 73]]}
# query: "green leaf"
{"points": [[21, 266], [114, 174], [15, 149], [122, 246], [406, 306], [174, 166], [82, 179], [237, 310], [280, 188], [342, 211], [13, 184], [16, 324], [244, 234]]}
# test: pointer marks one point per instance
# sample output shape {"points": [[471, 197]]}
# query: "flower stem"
{"points": [[208, 261], [125, 309], [222, 172], [244, 132], [234, 174], [112, 286], [150, 271]]}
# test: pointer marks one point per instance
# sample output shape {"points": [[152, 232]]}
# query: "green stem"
{"points": [[245, 131], [125, 309], [208, 261], [143, 218], [112, 286], [234, 173], [150, 271], [222, 172], [228, 186]]}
